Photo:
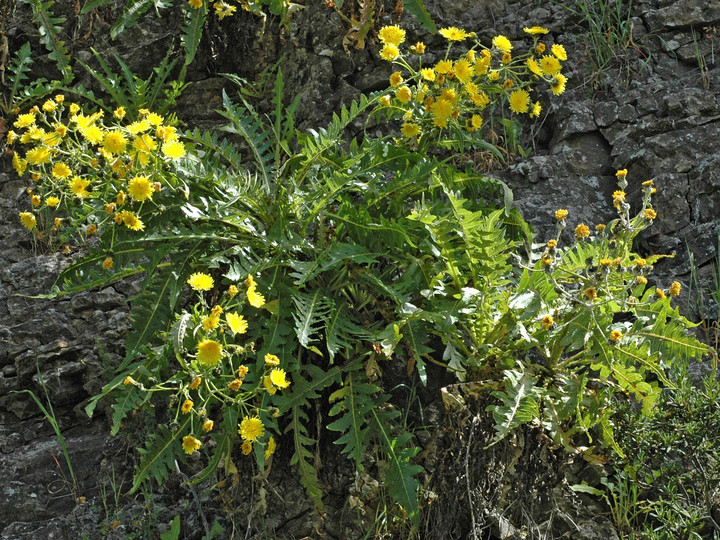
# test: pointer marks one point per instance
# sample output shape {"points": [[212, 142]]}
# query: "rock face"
{"points": [[654, 110]]}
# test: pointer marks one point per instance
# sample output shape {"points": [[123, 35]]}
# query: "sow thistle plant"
{"points": [[219, 385], [92, 172], [585, 326], [461, 92]]}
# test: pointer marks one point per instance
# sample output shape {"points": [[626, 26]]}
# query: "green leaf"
{"points": [[174, 532], [50, 36], [310, 315], [400, 477], [93, 4], [418, 10], [520, 403], [192, 30], [130, 16], [159, 455]]}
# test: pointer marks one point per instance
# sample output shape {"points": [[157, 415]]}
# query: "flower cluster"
{"points": [[613, 267], [460, 91], [95, 171], [218, 366]]}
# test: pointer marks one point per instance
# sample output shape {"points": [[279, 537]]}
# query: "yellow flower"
{"points": [[559, 52], [74, 108], [78, 185], [223, 10], [582, 231], [404, 94], [443, 67], [271, 360], [441, 111], [494, 75], [255, 299], [649, 214], [131, 221], [268, 385], [210, 322], [242, 371], [36, 200], [552, 244], [277, 376], [600, 227], [550, 65], [534, 67], [535, 112], [561, 214], [391, 35], [195, 4], [24, 120], [120, 198], [237, 323], [558, 84], [119, 113], [519, 101], [92, 134], [251, 428], [463, 71], [502, 43], [642, 280], [615, 336], [534, 30], [52, 201], [173, 149], [660, 293], [480, 99], [547, 322], [207, 424], [144, 143], [209, 352], [675, 288], [155, 119], [540, 48], [107, 264], [270, 450], [618, 198], [483, 63], [506, 58], [139, 126], [61, 171], [385, 101], [389, 52], [590, 293], [235, 385], [232, 291], [38, 156], [396, 79], [428, 74], [200, 281], [453, 34], [190, 444], [410, 130], [28, 220], [49, 106], [195, 383], [140, 188], [187, 406], [246, 448], [476, 122], [418, 48], [115, 142]]}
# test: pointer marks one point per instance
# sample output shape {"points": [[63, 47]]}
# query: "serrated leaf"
{"points": [[418, 10]]}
